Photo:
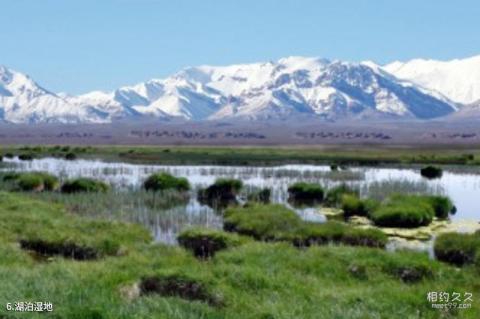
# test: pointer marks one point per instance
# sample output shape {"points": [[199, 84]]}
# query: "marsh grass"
{"points": [[252, 280], [384, 189]]}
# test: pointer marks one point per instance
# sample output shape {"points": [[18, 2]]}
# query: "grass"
{"points": [[165, 181], [302, 192], [335, 195], [409, 211], [84, 185], [252, 280], [183, 155], [278, 223], [458, 249], [352, 205], [221, 193], [431, 172], [205, 243], [403, 211]]}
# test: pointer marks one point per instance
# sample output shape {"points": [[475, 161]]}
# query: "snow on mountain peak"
{"points": [[286, 88], [458, 79]]}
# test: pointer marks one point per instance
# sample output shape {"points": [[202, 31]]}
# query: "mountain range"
{"points": [[288, 89]]}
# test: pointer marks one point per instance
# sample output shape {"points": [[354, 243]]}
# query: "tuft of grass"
{"points": [[82, 184], [338, 233], [442, 205], [221, 193], [431, 172], [308, 193], [164, 181], [457, 249], [352, 205], [205, 243], [262, 222], [260, 196], [335, 195]]}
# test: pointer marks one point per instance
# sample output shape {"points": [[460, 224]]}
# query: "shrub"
{"points": [[442, 205], [261, 196], [164, 181], [431, 172], [334, 195], [404, 211], [34, 181], [8, 155], [30, 182], [221, 193], [306, 193], [352, 205], [205, 243], [262, 222], [25, 157], [458, 249], [70, 156], [84, 185]]}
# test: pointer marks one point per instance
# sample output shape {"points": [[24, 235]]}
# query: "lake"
{"points": [[463, 187]]}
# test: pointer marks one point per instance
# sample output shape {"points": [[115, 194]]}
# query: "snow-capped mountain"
{"points": [[284, 89], [459, 79], [24, 101]]}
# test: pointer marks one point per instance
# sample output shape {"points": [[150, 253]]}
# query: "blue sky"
{"points": [[78, 46]]}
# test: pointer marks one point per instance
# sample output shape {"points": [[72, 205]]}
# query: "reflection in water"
{"points": [[463, 188]]}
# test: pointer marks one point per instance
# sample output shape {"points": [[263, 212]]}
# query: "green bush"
{"points": [[221, 193], [84, 185], [25, 157], [261, 196], [34, 181], [277, 223], [70, 156], [352, 205], [442, 205], [334, 195], [458, 249], [165, 181], [262, 222], [30, 182], [334, 232], [302, 192], [403, 211], [431, 172], [8, 155], [205, 243]]}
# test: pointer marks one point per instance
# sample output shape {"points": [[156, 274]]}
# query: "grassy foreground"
{"points": [[250, 280], [178, 155]]}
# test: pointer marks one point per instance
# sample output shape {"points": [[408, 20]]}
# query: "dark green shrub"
{"points": [[84, 185], [220, 194], [334, 195], [165, 181], [8, 155], [30, 182], [406, 211], [261, 196], [458, 249], [25, 157], [354, 206], [205, 243], [262, 222], [431, 172], [70, 156], [306, 193], [442, 205]]}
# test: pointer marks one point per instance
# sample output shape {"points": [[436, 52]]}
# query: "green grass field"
{"points": [[344, 155], [250, 280]]}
